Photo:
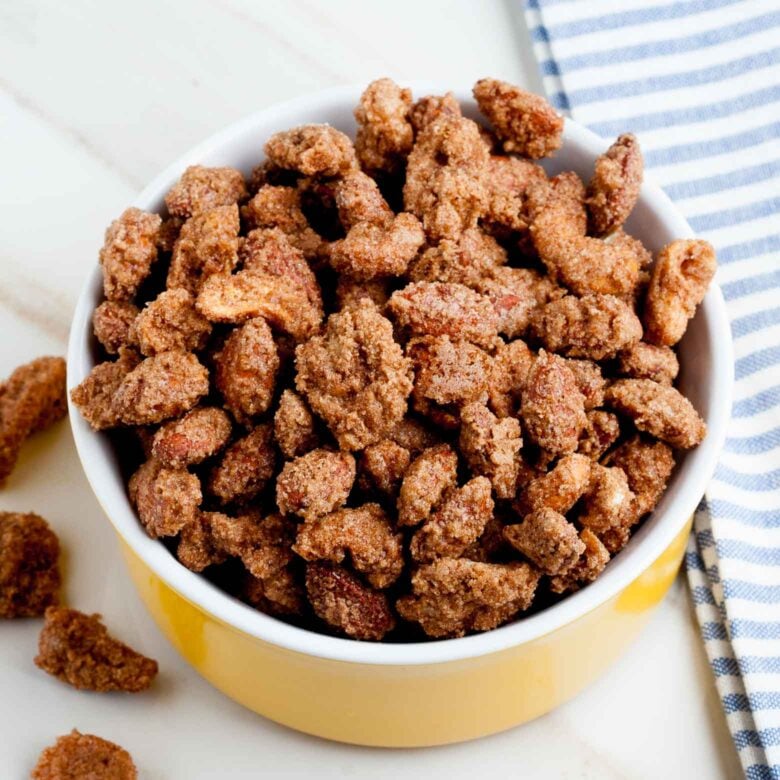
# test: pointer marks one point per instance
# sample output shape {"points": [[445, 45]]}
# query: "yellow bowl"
{"points": [[424, 693]]}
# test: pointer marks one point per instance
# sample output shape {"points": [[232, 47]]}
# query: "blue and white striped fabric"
{"points": [[699, 83]]}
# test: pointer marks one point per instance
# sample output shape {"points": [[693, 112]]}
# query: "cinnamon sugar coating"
{"points": [[426, 480], [94, 396], [31, 399], [349, 291], [526, 123], [559, 489], [111, 322], [547, 539], [202, 189], [429, 108], [647, 361], [313, 150], [77, 649], [511, 178], [591, 563], [294, 426], [451, 597], [590, 381], [648, 465], [412, 434], [382, 467], [200, 434], [511, 366], [170, 323], [609, 499], [197, 549], [244, 468], [77, 756], [601, 431], [29, 575], [358, 199]]}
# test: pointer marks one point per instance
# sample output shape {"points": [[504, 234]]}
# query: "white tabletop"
{"points": [[95, 97]]}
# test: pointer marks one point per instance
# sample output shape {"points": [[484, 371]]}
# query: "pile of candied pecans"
{"points": [[403, 387]]}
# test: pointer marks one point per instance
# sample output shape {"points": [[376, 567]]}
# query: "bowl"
{"points": [[422, 693]]}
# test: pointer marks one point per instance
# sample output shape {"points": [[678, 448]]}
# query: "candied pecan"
{"points": [[559, 204], [29, 577], [491, 447], [248, 294], [465, 260], [515, 294], [526, 123], [456, 523], [350, 291], [631, 246], [370, 250], [355, 376], [547, 539], [111, 323], [196, 549], [592, 562], [77, 755], [429, 108], [446, 177], [608, 501], [594, 326], [660, 410], [128, 253], [358, 199], [365, 534], [77, 649], [280, 208], [384, 134], [452, 597], [414, 436], [558, 489], [647, 361], [511, 365], [382, 467], [294, 426], [207, 245], [198, 435], [682, 272], [31, 399], [648, 466], [94, 395], [246, 368], [202, 189], [427, 479], [344, 603], [166, 499], [315, 484], [445, 309], [590, 381], [510, 179], [600, 433], [170, 323], [552, 407], [313, 150], [614, 188], [245, 467], [166, 385]]}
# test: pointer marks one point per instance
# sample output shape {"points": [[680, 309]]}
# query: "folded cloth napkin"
{"points": [[699, 83]]}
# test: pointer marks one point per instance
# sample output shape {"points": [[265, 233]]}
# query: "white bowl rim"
{"points": [[626, 567]]}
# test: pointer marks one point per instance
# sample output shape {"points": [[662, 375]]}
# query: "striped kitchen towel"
{"points": [[699, 83]]}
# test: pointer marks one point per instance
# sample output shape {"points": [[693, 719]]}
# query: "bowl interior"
{"points": [[706, 378]]}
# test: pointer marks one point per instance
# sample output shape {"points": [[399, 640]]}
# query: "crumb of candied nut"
{"points": [[77, 649], [160, 387], [511, 366], [344, 603], [547, 539], [526, 123], [457, 522], [128, 253], [552, 407], [600, 433], [510, 180], [166, 499], [29, 575], [294, 426], [382, 467], [365, 534], [446, 177], [647, 361], [315, 484], [246, 368], [614, 188], [207, 245], [590, 381], [198, 435], [608, 500], [313, 150], [660, 410], [428, 109], [78, 755], [93, 397], [558, 489], [491, 447], [370, 250], [244, 468], [594, 326], [196, 549], [245, 295], [464, 260], [111, 322], [592, 562], [680, 277], [170, 323], [427, 479], [202, 189], [648, 465], [350, 291], [445, 309], [358, 199], [355, 376], [31, 399], [384, 134], [452, 597]]}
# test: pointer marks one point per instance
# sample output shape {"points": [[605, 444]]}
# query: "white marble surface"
{"points": [[95, 97]]}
